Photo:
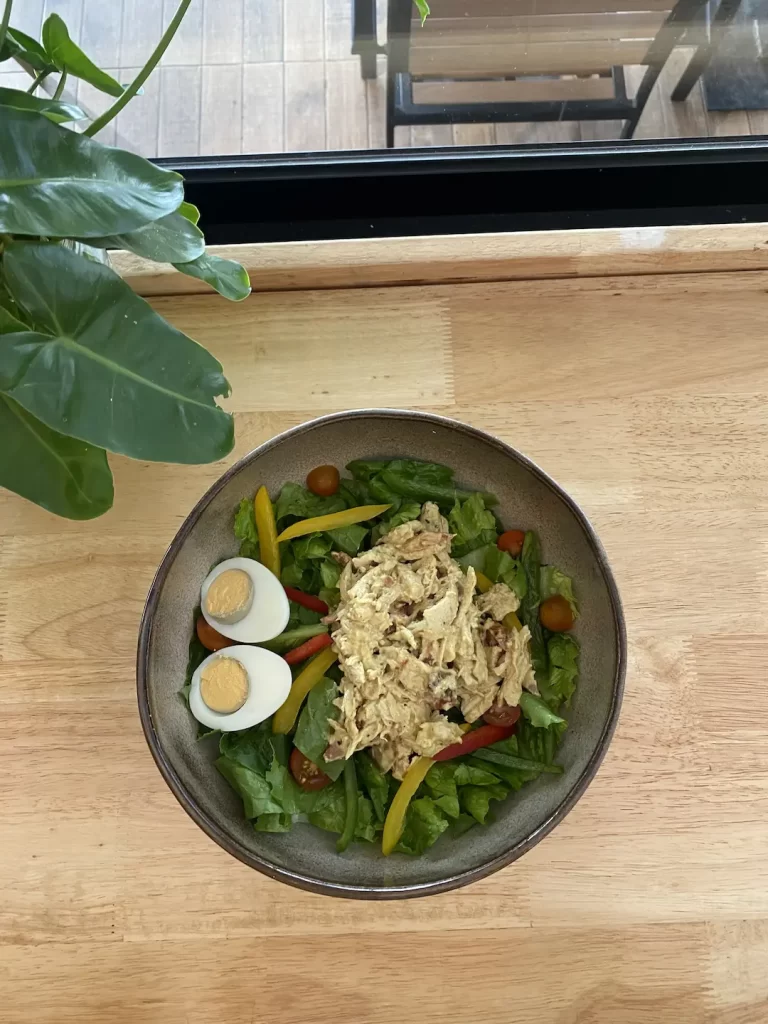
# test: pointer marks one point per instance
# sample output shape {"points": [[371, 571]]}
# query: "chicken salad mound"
{"points": [[414, 639]]}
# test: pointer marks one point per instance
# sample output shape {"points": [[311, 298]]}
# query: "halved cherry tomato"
{"points": [[306, 772], [512, 542], [323, 480], [209, 637], [308, 600], [482, 737], [308, 648], [502, 714], [556, 614]]}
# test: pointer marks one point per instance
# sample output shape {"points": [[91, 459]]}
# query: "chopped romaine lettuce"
{"points": [[295, 500], [314, 726], [424, 824], [472, 524], [563, 653]]}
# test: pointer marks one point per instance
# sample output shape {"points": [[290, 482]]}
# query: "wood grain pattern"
{"points": [[645, 396]]}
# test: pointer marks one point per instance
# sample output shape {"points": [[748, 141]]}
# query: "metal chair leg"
{"points": [[699, 62]]}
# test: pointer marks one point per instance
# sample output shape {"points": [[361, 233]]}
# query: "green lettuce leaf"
{"points": [[538, 744], [299, 502], [529, 605], [313, 728], [330, 571], [253, 788], [330, 814], [498, 566], [563, 653], [538, 712], [552, 581], [245, 529], [273, 823], [476, 800], [408, 511], [472, 524], [424, 824], [375, 782], [348, 539]]}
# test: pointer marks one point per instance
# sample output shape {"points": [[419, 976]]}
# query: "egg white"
{"points": [[269, 613], [269, 683]]}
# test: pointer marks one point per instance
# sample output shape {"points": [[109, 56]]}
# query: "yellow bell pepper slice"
{"points": [[395, 820], [334, 521], [266, 528], [483, 583], [287, 713], [511, 621]]}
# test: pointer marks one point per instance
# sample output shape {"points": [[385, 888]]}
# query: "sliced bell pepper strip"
{"points": [[286, 714], [307, 649], [334, 521], [482, 737], [266, 529], [306, 600], [395, 820], [350, 795], [510, 620]]}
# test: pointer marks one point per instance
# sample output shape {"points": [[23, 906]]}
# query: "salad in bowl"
{"points": [[383, 659]]}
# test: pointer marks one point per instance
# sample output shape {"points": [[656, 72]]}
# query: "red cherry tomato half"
{"points": [[323, 480], [306, 772], [209, 637], [502, 714], [512, 542], [556, 614]]}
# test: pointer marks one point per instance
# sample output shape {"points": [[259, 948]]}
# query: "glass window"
{"points": [[283, 76]]}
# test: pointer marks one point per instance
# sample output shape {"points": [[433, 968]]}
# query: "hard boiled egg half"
{"points": [[244, 601], [239, 687]]}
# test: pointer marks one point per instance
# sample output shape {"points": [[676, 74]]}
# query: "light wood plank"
{"points": [[262, 31], [346, 108], [733, 123], [137, 124], [179, 125], [428, 136], [521, 134], [28, 17], [305, 106], [303, 30], [376, 103], [94, 102], [221, 110], [223, 33], [101, 30], [601, 252], [338, 30], [187, 45], [141, 31], [474, 135], [263, 118]]}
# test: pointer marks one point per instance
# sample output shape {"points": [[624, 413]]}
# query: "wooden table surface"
{"points": [[646, 398]]}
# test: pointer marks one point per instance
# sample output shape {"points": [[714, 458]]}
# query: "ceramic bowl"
{"points": [[306, 856]]}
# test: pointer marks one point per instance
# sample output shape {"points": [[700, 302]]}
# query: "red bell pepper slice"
{"points": [[306, 600], [482, 737], [308, 648]]}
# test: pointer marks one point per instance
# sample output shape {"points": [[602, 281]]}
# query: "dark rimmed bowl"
{"points": [[306, 856]]}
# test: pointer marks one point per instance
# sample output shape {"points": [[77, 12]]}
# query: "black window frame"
{"points": [[312, 196]]}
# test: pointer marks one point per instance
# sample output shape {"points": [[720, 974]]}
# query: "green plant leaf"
{"points": [[423, 8], [101, 365], [57, 183], [9, 324], [190, 211], [31, 45], [55, 110], [59, 473], [67, 56], [165, 240], [227, 277]]}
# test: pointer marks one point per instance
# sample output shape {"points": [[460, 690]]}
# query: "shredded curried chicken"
{"points": [[413, 641]]}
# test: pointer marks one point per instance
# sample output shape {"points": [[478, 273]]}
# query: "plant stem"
{"points": [[38, 81], [143, 75], [5, 21], [60, 86]]}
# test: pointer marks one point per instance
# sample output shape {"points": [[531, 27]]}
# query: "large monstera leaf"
{"points": [[100, 365]]}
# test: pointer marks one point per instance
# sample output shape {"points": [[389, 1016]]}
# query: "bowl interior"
{"points": [[306, 855]]}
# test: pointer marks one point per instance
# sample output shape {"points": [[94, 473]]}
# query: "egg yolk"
{"points": [[224, 685], [229, 595]]}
